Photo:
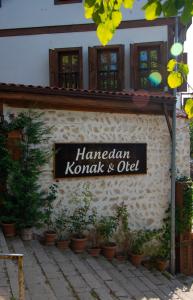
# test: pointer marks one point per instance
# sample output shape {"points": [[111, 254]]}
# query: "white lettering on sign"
{"points": [[126, 166], [72, 169], [114, 154]]}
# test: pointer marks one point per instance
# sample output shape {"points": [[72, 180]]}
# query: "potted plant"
{"points": [[162, 258], [107, 227], [95, 248], [163, 253], [7, 218], [79, 219], [50, 233], [23, 176], [61, 227], [138, 239], [7, 203], [123, 233]]}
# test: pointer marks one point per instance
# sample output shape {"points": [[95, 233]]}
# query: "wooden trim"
{"points": [[54, 64], [96, 103], [82, 27], [134, 48], [58, 2], [93, 64]]}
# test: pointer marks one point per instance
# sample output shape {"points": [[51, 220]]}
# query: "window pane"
{"points": [[153, 55], [143, 65], [143, 56], [148, 62], [107, 70], [113, 57], [69, 69]]}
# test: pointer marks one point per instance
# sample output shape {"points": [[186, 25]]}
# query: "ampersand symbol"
{"points": [[110, 168]]}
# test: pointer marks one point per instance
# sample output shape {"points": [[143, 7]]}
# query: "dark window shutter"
{"points": [[183, 87], [80, 67], [121, 59], [163, 62], [92, 56], [53, 64], [133, 66]]}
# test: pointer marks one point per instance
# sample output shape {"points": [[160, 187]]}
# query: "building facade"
{"points": [[51, 43]]}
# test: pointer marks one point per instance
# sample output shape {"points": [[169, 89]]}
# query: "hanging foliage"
{"points": [[108, 15]]}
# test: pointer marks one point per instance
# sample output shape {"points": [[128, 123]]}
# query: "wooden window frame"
{"points": [[93, 64], [134, 50], [54, 64], [61, 2]]}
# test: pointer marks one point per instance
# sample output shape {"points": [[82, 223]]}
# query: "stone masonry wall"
{"points": [[146, 195]]}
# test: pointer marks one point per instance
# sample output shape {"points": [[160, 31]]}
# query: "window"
{"points": [[66, 68], [145, 59], [106, 68], [66, 1]]}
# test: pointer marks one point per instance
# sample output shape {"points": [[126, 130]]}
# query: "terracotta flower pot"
{"points": [[9, 229], [120, 256], [109, 251], [50, 238], [94, 251], [79, 244], [162, 265], [136, 259], [27, 234], [62, 244]]}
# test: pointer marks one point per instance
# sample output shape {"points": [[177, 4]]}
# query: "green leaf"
{"points": [[116, 18], [88, 12], [104, 33], [179, 3], [189, 108], [128, 3], [187, 13], [171, 65], [152, 10], [96, 17], [89, 3], [169, 8], [175, 79], [117, 4], [183, 68]]}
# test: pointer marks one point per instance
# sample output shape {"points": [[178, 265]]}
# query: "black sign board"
{"points": [[77, 160]]}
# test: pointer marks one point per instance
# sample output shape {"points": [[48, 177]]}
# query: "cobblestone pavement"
{"points": [[52, 275]]}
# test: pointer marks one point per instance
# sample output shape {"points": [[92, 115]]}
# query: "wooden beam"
{"points": [[81, 103], [167, 119]]}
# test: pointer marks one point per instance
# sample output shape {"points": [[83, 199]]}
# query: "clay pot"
{"points": [[120, 256], [109, 251], [50, 238], [94, 251], [62, 244], [27, 234], [136, 259], [162, 265], [78, 244], [9, 229]]}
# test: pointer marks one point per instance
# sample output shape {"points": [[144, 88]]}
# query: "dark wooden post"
{"points": [[184, 243]]}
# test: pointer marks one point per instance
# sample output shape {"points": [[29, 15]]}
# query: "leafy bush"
{"points": [[61, 221], [80, 219], [107, 227], [139, 238]]}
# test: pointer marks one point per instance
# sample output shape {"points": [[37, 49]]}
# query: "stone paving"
{"points": [[51, 274]]}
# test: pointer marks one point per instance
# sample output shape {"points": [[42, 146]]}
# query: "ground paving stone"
{"points": [[52, 275], [104, 295]]}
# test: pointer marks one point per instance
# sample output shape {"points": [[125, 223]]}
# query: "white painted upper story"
{"points": [[24, 58], [28, 13]]}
